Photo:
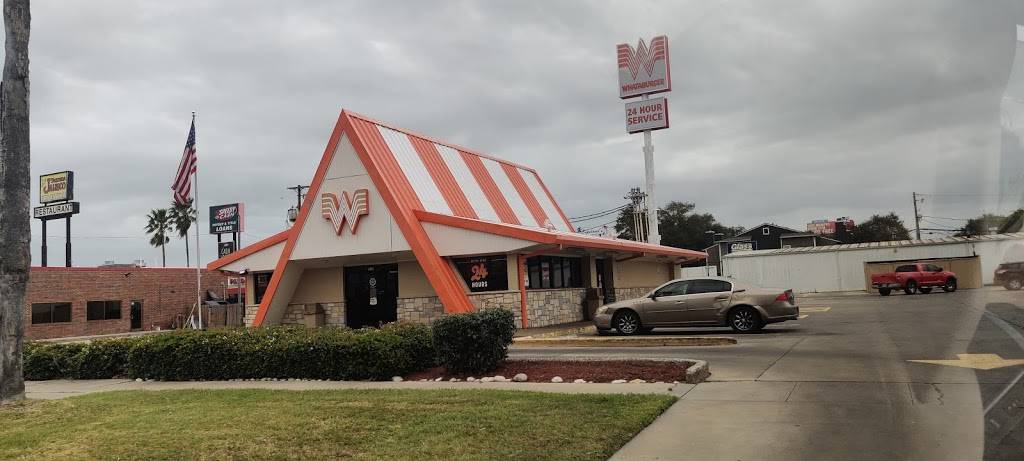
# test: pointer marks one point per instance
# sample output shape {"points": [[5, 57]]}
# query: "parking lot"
{"points": [[843, 382]]}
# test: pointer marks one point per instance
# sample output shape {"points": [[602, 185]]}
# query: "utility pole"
{"points": [[293, 213], [917, 217]]}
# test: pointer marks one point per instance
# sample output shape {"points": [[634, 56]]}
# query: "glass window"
{"points": [[907, 268], [103, 310], [931, 268], [51, 313], [554, 272], [673, 289], [709, 286], [262, 281]]}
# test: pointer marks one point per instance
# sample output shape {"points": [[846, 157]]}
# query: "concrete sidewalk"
{"points": [[58, 389]]}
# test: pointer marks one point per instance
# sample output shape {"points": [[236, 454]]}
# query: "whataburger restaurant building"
{"points": [[399, 226]]}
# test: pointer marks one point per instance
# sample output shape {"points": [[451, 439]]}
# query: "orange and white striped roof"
{"points": [[442, 178]]}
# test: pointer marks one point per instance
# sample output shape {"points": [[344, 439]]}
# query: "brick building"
{"points": [[77, 301]]}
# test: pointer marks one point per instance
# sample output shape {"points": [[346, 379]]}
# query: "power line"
{"points": [[598, 226], [599, 214], [942, 217]]}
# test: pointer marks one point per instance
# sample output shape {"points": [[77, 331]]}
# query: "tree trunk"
{"points": [[187, 262], [15, 228], [163, 254]]}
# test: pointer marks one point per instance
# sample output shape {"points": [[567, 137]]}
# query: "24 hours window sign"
{"points": [[484, 273], [649, 114], [227, 219]]}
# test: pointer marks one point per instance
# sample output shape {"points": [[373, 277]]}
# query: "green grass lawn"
{"points": [[350, 424]]}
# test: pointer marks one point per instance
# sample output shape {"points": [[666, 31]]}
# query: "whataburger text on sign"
{"points": [[647, 114], [56, 187]]}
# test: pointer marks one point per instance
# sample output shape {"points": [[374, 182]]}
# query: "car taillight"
{"points": [[787, 296]]}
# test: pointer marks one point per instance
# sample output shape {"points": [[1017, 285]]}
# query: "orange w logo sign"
{"points": [[347, 209], [643, 57]]}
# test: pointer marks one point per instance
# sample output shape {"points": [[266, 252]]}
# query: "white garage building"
{"points": [[848, 267]]}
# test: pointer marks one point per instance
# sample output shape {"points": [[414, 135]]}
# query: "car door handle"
{"points": [[680, 302], [721, 298]]}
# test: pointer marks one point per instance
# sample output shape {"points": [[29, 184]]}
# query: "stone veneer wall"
{"points": [[420, 310], [622, 294], [545, 307], [334, 315]]}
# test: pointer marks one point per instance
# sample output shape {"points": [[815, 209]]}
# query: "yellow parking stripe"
{"points": [[815, 309]]}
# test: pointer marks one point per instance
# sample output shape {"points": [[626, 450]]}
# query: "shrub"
{"points": [[283, 352], [275, 352], [44, 361], [475, 342], [101, 359]]}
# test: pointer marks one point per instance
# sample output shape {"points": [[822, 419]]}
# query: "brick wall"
{"points": [[164, 292]]}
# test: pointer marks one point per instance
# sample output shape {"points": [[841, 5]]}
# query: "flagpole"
{"points": [[199, 263]]}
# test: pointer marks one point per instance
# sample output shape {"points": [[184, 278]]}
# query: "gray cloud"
{"points": [[782, 110]]}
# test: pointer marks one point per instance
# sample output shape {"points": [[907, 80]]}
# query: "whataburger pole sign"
{"points": [[643, 71]]}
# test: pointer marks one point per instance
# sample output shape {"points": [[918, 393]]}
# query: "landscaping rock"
{"points": [[579, 381], [453, 380], [423, 380], [556, 379], [138, 380], [487, 379], [519, 378], [396, 379], [439, 378], [470, 379], [638, 381], [499, 379], [619, 381]]}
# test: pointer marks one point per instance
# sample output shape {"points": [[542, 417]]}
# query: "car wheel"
{"points": [[1014, 284], [925, 290], [627, 322], [745, 319], [950, 285], [884, 291], [910, 288]]}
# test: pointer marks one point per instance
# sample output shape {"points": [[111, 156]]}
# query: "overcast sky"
{"points": [[782, 111]]}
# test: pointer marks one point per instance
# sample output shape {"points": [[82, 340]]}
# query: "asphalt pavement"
{"points": [[929, 377]]}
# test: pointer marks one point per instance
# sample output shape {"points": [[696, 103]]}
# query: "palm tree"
{"points": [[182, 216], [159, 225]]}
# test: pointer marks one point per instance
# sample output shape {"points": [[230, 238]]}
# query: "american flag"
{"points": [[182, 186]]}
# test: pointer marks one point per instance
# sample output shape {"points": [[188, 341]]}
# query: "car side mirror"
{"points": [[653, 296], [940, 270]]}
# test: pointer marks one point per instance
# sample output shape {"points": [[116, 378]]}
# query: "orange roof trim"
{"points": [[254, 248]]}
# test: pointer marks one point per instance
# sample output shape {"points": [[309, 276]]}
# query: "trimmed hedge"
{"points": [[476, 342], [277, 352]]}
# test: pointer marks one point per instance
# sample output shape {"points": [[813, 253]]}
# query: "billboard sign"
{"points": [[644, 70], [56, 187], [225, 248], [55, 211], [648, 114], [227, 219]]}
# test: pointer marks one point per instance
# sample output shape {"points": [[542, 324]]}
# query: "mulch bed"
{"points": [[603, 371]]}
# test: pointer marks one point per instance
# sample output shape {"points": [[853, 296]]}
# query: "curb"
{"points": [[624, 341], [561, 332], [696, 373]]}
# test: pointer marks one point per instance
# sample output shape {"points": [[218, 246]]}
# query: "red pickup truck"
{"points": [[912, 278]]}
